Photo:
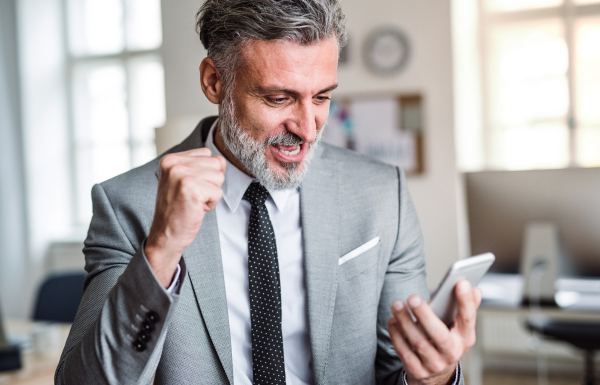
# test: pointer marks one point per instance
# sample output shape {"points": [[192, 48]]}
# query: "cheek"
{"points": [[321, 116], [262, 121]]}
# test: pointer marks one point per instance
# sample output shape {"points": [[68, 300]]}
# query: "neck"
{"points": [[222, 147]]}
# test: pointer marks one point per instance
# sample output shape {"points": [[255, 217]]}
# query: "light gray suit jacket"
{"points": [[346, 200]]}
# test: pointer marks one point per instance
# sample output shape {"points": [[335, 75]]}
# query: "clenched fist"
{"points": [[189, 185]]}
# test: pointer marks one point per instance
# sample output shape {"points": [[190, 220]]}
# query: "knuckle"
{"points": [[186, 185], [220, 178], [443, 339], [421, 375], [167, 161], [176, 171], [405, 353], [468, 318], [471, 340], [214, 162], [420, 346], [390, 322], [438, 367], [455, 356], [219, 193]]}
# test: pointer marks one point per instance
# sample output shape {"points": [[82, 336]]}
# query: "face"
{"points": [[272, 119]]}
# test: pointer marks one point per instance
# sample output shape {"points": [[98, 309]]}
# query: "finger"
{"points": [[412, 363], [181, 176], [204, 151], [428, 354], [437, 330], [200, 162], [210, 195], [464, 322], [222, 161], [216, 177], [478, 296], [189, 158]]}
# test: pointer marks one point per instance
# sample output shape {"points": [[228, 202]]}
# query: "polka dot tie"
{"points": [[265, 292]]}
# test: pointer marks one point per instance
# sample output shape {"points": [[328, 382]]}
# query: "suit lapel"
{"points": [[319, 205], [205, 268]]}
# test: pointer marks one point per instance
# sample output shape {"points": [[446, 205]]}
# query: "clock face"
{"points": [[387, 51]]}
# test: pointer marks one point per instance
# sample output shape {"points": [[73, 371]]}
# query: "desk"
{"points": [[38, 369], [502, 337]]}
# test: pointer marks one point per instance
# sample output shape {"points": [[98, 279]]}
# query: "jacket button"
{"points": [[153, 317], [143, 336], [147, 327], [139, 346]]}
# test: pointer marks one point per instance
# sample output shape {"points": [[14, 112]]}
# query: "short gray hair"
{"points": [[225, 25]]}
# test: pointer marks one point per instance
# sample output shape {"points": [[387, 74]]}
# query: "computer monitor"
{"points": [[501, 203], [3, 341], [10, 356]]}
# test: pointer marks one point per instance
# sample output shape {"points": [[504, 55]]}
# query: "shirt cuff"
{"points": [[176, 282], [454, 382]]}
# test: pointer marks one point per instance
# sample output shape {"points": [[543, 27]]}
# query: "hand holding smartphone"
{"points": [[443, 300]]}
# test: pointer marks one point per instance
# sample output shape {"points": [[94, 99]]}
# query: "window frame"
{"points": [[72, 61], [568, 13]]}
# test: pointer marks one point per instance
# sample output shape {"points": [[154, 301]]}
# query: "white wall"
{"points": [[45, 140], [13, 242], [428, 24]]}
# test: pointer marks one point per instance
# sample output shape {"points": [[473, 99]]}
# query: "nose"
{"points": [[303, 122]]}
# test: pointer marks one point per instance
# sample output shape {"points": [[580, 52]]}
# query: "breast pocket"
{"points": [[360, 260]]}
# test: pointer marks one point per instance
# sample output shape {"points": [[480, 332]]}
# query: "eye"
{"points": [[323, 98], [277, 100]]}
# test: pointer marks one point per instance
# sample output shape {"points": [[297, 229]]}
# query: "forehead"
{"points": [[290, 65]]}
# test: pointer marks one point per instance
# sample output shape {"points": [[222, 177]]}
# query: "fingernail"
{"points": [[464, 287], [397, 306], [415, 301]]}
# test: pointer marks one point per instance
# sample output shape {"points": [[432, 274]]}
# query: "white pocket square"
{"points": [[359, 250]]}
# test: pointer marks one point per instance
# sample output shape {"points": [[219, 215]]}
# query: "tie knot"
{"points": [[256, 194]]}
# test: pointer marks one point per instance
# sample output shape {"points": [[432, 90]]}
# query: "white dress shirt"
{"points": [[233, 216]]}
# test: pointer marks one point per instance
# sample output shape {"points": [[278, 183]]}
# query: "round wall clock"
{"points": [[387, 51]]}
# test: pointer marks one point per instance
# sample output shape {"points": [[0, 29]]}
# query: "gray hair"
{"points": [[225, 25]]}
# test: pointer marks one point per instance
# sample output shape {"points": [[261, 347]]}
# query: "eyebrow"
{"points": [[259, 90]]}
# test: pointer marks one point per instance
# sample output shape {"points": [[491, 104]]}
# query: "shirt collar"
{"points": [[236, 182]]}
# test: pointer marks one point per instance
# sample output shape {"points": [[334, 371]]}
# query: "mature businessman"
{"points": [[250, 253]]}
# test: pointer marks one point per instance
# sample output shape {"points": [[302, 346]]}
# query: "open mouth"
{"points": [[289, 150], [293, 153]]}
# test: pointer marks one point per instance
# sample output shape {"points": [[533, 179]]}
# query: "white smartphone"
{"points": [[443, 301]]}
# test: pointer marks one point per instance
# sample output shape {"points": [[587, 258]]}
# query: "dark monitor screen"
{"points": [[501, 203], [3, 342]]}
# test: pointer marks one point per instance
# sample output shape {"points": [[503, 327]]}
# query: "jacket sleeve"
{"points": [[404, 277], [121, 324]]}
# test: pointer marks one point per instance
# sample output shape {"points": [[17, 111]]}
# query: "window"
{"points": [[117, 90], [541, 78]]}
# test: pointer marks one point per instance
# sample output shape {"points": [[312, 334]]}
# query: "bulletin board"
{"points": [[386, 127]]}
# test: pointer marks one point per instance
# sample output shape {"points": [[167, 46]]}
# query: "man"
{"points": [[249, 253]]}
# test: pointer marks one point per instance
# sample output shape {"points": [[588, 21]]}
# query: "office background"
{"points": [[90, 88]]}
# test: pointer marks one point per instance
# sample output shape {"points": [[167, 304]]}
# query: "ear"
{"points": [[211, 81]]}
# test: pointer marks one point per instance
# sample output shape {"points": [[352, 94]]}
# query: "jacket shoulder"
{"points": [[133, 182], [358, 167]]}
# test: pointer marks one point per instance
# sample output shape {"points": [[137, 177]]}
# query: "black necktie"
{"points": [[265, 292]]}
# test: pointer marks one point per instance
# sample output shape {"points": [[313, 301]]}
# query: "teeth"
{"points": [[297, 150]]}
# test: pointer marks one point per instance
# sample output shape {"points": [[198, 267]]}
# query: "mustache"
{"points": [[285, 138]]}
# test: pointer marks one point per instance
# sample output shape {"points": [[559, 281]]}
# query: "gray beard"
{"points": [[252, 153]]}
